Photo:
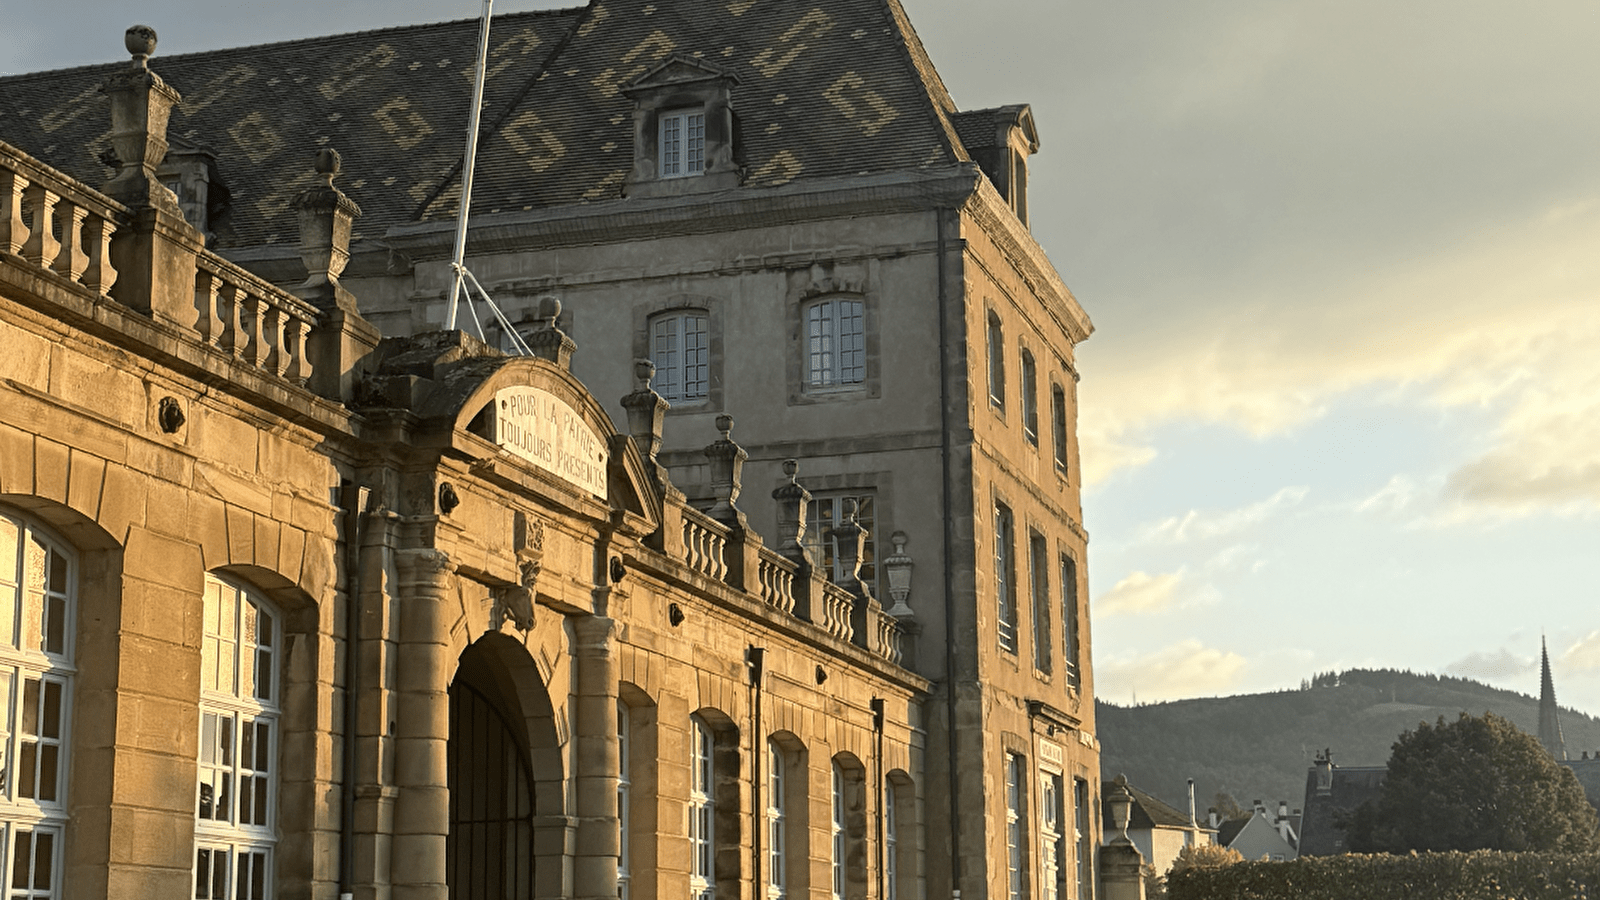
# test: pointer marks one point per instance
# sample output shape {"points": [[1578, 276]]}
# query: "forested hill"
{"points": [[1259, 746]]}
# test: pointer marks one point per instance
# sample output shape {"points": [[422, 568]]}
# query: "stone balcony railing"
{"points": [[56, 222]]}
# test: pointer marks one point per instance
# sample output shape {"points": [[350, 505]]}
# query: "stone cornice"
{"points": [[994, 216]]}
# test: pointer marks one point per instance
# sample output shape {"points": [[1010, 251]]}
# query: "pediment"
{"points": [[677, 71]]}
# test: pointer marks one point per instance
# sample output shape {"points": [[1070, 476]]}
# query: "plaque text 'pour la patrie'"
{"points": [[541, 428]]}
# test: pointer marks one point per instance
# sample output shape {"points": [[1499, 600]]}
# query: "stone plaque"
{"points": [[1050, 753], [541, 428]]}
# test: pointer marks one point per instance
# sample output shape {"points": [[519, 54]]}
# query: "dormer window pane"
{"points": [[683, 144]]}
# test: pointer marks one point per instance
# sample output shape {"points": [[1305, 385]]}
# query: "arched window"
{"points": [[1058, 426], [777, 824], [1030, 399], [702, 811], [680, 347], [38, 584], [624, 813], [236, 809], [836, 345], [997, 363]]}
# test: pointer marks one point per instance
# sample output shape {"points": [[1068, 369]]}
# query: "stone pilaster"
{"points": [[422, 728], [595, 773]]}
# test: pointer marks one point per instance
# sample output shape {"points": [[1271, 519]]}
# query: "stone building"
{"points": [[777, 206]]}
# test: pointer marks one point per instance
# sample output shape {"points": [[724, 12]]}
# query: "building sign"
{"points": [[1050, 753], [541, 428]]}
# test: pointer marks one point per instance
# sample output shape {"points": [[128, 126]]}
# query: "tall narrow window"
{"points": [[1058, 426], [837, 833], [1016, 830], [1069, 618], [624, 812], [681, 351], [1052, 837], [997, 363], [1080, 810], [683, 143], [827, 509], [777, 825], [1039, 595], [235, 827], [702, 812], [38, 590], [891, 844], [836, 347], [1030, 399], [1005, 579]]}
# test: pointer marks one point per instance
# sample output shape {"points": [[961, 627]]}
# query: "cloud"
{"points": [[1195, 525], [1140, 593], [1583, 655], [1493, 666], [1185, 669]]}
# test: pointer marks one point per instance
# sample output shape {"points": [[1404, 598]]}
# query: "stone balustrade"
{"points": [[834, 617], [776, 578], [887, 640], [56, 222], [251, 320], [705, 543]]}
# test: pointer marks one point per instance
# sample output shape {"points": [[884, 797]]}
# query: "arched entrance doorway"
{"points": [[490, 852]]}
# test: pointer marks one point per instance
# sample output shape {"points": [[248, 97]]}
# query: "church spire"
{"points": [[1549, 723]]}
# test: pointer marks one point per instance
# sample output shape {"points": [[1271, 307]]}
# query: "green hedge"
{"points": [[1483, 875]]}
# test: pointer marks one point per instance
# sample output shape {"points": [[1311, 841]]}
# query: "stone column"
{"points": [[599, 839], [422, 728]]}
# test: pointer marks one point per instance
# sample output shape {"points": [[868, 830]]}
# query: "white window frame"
{"points": [[1058, 426], [37, 647], [230, 697], [835, 344], [777, 824], [825, 511], [680, 348], [891, 843], [1005, 577], [1016, 834], [1071, 621], [702, 808], [837, 833], [681, 143], [1081, 812], [624, 802]]}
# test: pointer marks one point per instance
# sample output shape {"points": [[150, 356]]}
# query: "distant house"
{"points": [[1160, 830], [1261, 835], [1333, 793]]}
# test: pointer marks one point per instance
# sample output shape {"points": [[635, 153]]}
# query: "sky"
{"points": [[1342, 405]]}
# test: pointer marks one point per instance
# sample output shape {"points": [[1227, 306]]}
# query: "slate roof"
{"points": [[826, 88], [1351, 786], [1230, 828], [1150, 812]]}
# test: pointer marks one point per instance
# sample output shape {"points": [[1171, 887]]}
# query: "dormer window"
{"points": [[1000, 141], [682, 143], [683, 130]]}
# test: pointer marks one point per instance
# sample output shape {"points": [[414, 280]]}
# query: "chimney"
{"points": [[1324, 770], [1211, 817], [1191, 803], [1283, 810]]}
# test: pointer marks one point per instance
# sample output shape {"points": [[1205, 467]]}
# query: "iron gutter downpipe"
{"points": [[352, 499], [949, 564], [878, 706]]}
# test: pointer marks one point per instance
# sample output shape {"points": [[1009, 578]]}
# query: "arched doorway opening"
{"points": [[498, 715]]}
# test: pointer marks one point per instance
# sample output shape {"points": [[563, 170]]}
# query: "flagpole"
{"points": [[458, 260]]}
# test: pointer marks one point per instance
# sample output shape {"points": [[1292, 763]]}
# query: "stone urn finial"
{"points": [[327, 165], [725, 426], [727, 472], [549, 341], [141, 42], [794, 502], [644, 372], [791, 468]]}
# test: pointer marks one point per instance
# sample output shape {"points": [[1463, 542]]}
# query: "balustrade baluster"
{"points": [[233, 337], [299, 368], [42, 246], [207, 295], [13, 230], [255, 353], [71, 260], [99, 276], [275, 360]]}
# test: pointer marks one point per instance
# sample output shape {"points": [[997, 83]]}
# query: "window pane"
{"points": [[43, 860], [265, 628], [9, 561], [48, 762], [52, 709], [58, 573], [202, 874], [21, 858], [30, 706], [264, 674], [263, 746], [55, 633]]}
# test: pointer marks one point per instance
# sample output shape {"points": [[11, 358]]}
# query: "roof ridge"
{"points": [[302, 41], [940, 103]]}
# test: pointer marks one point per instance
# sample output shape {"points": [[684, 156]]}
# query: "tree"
{"points": [[1227, 807], [1204, 856], [1475, 784]]}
